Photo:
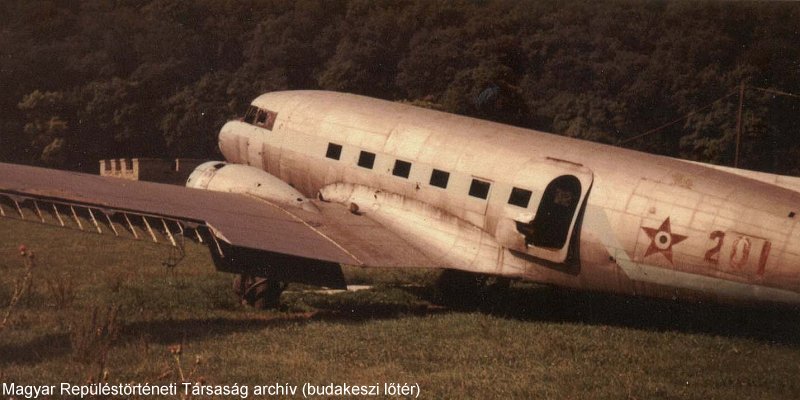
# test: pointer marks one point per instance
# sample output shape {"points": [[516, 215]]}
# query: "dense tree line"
{"points": [[92, 79]]}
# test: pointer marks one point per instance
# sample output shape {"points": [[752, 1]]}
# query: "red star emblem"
{"points": [[662, 240]]}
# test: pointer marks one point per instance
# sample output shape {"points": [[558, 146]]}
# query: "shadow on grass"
{"points": [[161, 331], [170, 331], [776, 324], [780, 325], [175, 331], [37, 350], [528, 302]]}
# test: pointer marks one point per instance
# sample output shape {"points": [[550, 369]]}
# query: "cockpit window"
{"points": [[250, 115], [260, 117]]}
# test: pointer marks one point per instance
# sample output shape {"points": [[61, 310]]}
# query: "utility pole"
{"points": [[739, 125]]}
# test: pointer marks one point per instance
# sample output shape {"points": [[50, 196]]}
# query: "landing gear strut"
{"points": [[258, 292], [252, 265]]}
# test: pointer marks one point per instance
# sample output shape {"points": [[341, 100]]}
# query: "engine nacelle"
{"points": [[234, 178]]}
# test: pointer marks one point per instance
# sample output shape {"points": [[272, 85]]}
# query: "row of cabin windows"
{"points": [[478, 188]]}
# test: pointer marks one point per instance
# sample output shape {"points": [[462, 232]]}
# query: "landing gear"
{"points": [[467, 290], [260, 293]]}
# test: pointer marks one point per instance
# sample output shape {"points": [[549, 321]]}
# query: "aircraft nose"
{"points": [[227, 141]]}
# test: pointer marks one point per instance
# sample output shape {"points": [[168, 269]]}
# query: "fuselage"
{"points": [[497, 199]]}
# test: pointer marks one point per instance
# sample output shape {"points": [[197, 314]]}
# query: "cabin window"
{"points": [[401, 168], [520, 197], [366, 159], [479, 189], [439, 178], [334, 151]]}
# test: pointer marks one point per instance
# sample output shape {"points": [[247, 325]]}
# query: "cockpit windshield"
{"points": [[260, 117]]}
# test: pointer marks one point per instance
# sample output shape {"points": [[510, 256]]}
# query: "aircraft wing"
{"points": [[333, 235]]}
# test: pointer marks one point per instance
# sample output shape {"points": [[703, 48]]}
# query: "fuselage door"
{"points": [[558, 190]]}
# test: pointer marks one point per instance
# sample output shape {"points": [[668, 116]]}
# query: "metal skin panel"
{"points": [[644, 224], [650, 225]]}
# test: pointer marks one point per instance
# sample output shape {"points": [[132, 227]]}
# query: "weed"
{"points": [[176, 352], [62, 291], [93, 337], [22, 285]]}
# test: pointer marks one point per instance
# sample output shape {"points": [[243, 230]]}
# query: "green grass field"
{"points": [[101, 308]]}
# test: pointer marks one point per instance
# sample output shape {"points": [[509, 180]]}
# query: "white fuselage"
{"points": [[492, 198]]}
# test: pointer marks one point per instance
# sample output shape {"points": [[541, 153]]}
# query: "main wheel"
{"points": [[258, 292]]}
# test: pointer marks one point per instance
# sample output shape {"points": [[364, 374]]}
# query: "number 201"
{"points": [[740, 251]]}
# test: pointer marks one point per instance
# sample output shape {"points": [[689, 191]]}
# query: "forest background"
{"points": [[94, 79]]}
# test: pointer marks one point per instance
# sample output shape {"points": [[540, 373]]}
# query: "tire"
{"points": [[257, 292], [267, 295]]}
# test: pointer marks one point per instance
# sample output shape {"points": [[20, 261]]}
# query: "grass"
{"points": [[105, 309]]}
